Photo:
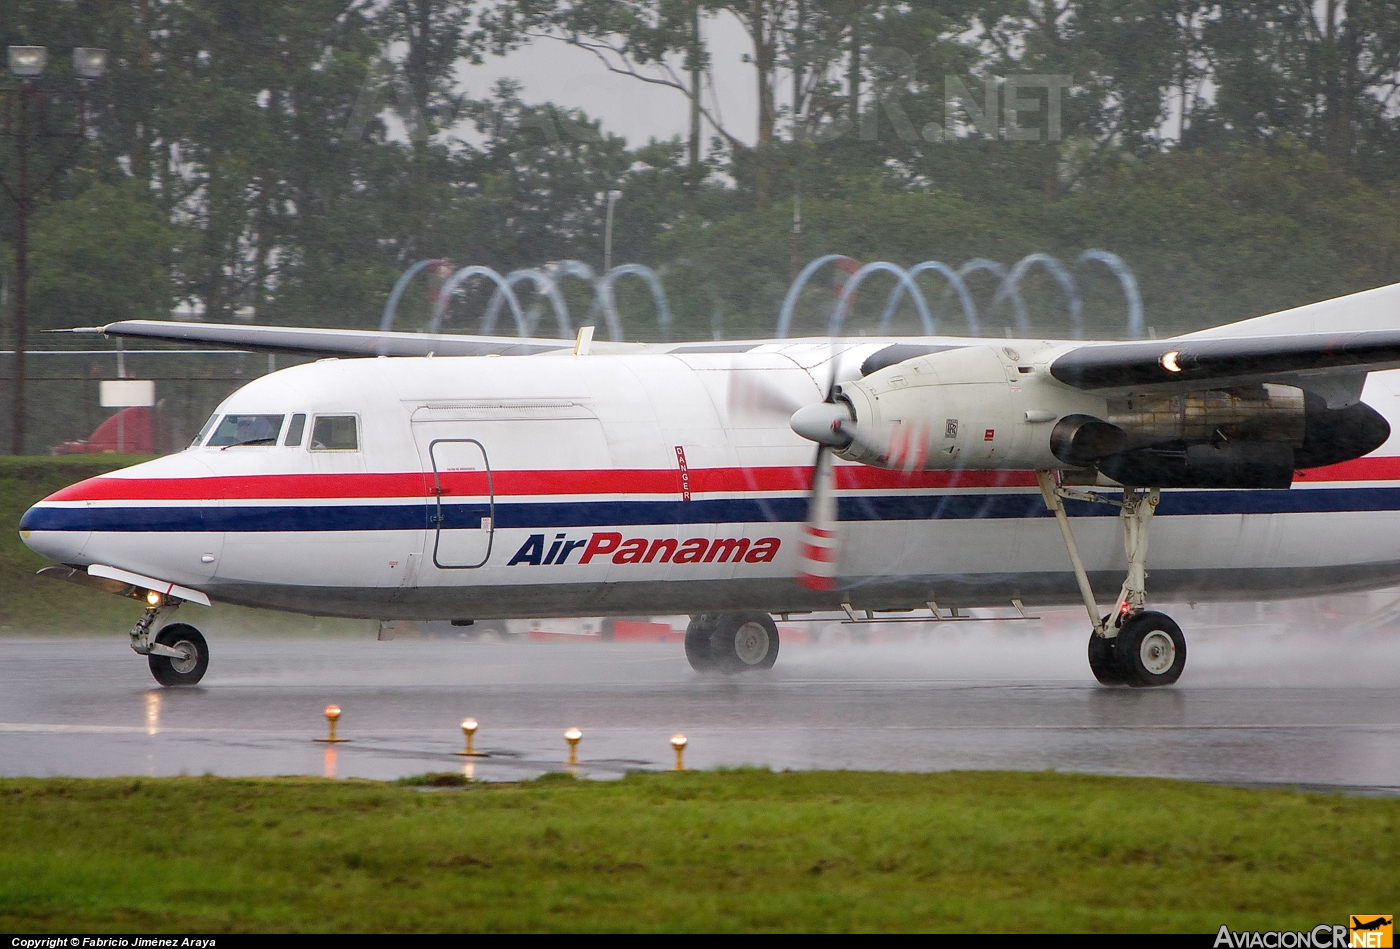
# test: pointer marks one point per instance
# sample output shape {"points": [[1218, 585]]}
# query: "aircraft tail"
{"points": [[1376, 309]]}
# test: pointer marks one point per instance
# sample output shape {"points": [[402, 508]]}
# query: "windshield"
{"points": [[246, 430]]}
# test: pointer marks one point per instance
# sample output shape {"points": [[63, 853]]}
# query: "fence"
{"points": [[62, 406]]}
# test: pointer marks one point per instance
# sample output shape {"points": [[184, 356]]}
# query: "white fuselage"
{"points": [[557, 485]]}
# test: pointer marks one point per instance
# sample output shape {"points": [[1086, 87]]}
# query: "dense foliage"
{"points": [[284, 162]]}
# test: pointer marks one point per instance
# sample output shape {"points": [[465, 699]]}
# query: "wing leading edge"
{"points": [[328, 342], [1332, 364], [309, 341]]}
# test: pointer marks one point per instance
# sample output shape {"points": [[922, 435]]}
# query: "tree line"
{"points": [[286, 161]]}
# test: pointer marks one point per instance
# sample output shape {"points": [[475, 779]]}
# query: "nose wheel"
{"points": [[186, 668], [177, 654]]}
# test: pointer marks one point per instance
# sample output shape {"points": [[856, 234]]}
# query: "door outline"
{"points": [[437, 517]]}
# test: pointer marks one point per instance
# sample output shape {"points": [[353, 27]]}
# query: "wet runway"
{"points": [[1252, 708]]}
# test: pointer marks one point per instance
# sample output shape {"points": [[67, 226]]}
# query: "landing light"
{"points": [[1168, 361], [154, 599]]}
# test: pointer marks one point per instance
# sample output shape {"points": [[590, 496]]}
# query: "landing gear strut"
{"points": [[1132, 645], [731, 642], [177, 654]]}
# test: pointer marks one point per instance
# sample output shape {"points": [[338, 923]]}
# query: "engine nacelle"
{"points": [[976, 407], [990, 407], [1262, 413], [1240, 438]]}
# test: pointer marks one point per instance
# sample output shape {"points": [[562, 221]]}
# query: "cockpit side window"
{"points": [[204, 432], [240, 430], [295, 429], [335, 433]]}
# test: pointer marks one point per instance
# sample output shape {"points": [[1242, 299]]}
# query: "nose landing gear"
{"points": [[177, 654]]}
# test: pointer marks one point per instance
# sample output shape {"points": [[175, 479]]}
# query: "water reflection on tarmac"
{"points": [[1251, 708]]}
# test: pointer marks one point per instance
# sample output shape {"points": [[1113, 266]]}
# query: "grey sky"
{"points": [[551, 71]]}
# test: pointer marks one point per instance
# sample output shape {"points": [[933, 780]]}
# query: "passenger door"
{"points": [[462, 509]]}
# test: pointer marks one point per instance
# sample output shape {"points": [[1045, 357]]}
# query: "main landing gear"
{"points": [[1133, 645], [731, 642], [177, 654]]}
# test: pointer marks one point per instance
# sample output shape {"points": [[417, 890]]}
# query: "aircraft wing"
{"points": [[308, 341], [311, 341], [1334, 365]]}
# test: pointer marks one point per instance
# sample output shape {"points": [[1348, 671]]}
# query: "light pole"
{"points": [[27, 63], [607, 231]]}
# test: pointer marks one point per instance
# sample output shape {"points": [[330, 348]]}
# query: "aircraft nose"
{"points": [[57, 533], [821, 423]]}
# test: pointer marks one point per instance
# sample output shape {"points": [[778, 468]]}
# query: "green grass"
{"points": [[734, 851]]}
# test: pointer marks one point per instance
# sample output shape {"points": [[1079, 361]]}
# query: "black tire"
{"points": [[1103, 660], [697, 643], [186, 671], [1151, 651], [743, 642]]}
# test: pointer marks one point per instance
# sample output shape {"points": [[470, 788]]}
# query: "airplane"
{"points": [[410, 476]]}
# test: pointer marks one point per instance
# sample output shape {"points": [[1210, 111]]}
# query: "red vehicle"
{"points": [[129, 432]]}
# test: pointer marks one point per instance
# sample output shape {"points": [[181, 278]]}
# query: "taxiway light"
{"points": [[153, 598], [572, 736], [678, 742], [469, 727], [332, 716]]}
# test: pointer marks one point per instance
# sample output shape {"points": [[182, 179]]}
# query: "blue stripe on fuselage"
{"points": [[535, 514]]}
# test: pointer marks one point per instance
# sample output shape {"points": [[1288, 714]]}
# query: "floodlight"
{"points": [[28, 61], [89, 62]]}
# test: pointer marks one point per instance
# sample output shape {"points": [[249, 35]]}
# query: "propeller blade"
{"points": [[818, 563], [751, 395]]}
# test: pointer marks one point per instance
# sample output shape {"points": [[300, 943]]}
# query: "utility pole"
{"points": [[607, 232], [27, 63], [695, 56]]}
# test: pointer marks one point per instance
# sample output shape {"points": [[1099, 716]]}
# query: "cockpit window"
{"points": [[236, 430], [295, 429], [208, 427], [335, 433]]}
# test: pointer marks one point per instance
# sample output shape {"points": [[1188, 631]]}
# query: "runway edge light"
{"points": [[469, 727], [332, 716]]}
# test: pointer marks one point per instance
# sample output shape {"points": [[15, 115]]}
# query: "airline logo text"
{"points": [[612, 545]]}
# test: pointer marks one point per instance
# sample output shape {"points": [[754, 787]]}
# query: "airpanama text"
{"points": [[643, 550]]}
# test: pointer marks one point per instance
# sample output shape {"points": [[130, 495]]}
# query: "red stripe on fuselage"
{"points": [[623, 481]]}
